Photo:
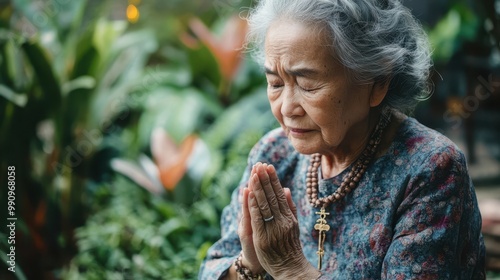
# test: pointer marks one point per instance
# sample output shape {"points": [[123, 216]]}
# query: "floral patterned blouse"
{"points": [[414, 214]]}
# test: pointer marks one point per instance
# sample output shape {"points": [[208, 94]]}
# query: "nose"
{"points": [[290, 106]]}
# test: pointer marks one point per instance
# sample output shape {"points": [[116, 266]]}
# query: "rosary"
{"points": [[349, 182]]}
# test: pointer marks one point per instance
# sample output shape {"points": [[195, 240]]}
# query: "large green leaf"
{"points": [[250, 113], [44, 75], [204, 67], [128, 56], [106, 32]]}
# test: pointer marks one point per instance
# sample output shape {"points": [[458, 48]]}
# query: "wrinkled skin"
{"points": [[272, 246]]}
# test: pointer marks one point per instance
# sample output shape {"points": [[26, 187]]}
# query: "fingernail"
{"points": [[255, 178], [262, 171], [271, 168]]}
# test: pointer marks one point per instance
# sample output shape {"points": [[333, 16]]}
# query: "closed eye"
{"points": [[309, 89], [275, 86], [274, 82], [307, 84]]}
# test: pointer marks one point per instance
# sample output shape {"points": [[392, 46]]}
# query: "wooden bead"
{"points": [[354, 176]]}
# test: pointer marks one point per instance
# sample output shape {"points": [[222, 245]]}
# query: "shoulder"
{"points": [[273, 148], [428, 148], [436, 166]]}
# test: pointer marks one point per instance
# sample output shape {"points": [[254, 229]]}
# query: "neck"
{"points": [[337, 160]]}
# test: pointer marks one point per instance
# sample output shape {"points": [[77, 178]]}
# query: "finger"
{"points": [[260, 195], [255, 213], [245, 233], [269, 200], [278, 189], [245, 224], [290, 202], [251, 174]]}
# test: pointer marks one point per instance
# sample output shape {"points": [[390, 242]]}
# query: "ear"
{"points": [[379, 91]]}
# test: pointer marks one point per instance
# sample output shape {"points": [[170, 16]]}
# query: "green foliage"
{"points": [[59, 78], [133, 234], [458, 26], [139, 236], [79, 80]]}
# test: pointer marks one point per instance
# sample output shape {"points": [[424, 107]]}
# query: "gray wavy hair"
{"points": [[376, 40]]}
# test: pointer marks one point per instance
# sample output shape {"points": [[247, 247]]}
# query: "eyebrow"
{"points": [[298, 72]]}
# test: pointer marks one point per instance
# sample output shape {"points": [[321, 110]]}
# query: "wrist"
{"points": [[246, 273], [254, 268], [300, 269]]}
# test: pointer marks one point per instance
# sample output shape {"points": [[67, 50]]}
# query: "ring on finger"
{"points": [[268, 219]]}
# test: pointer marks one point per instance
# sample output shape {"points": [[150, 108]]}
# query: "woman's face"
{"points": [[318, 106]]}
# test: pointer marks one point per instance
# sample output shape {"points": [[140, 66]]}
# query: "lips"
{"points": [[299, 130]]}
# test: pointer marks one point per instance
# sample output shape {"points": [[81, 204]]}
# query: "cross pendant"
{"points": [[322, 227]]}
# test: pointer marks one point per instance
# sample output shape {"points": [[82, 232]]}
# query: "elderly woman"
{"points": [[349, 187]]}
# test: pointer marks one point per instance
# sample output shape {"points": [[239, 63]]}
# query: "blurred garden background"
{"points": [[129, 124]]}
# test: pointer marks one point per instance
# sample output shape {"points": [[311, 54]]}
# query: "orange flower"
{"points": [[171, 159], [226, 49]]}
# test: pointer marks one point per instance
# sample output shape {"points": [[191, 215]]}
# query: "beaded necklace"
{"points": [[347, 185]]}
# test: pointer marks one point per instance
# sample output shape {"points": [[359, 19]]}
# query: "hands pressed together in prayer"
{"points": [[269, 231]]}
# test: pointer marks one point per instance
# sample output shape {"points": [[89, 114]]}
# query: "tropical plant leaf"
{"points": [[127, 58], [228, 48], [135, 173], [234, 120], [82, 82], [16, 98], [44, 75], [179, 112], [105, 34], [204, 66], [456, 27]]}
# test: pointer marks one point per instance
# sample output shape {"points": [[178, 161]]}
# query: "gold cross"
{"points": [[321, 226]]}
